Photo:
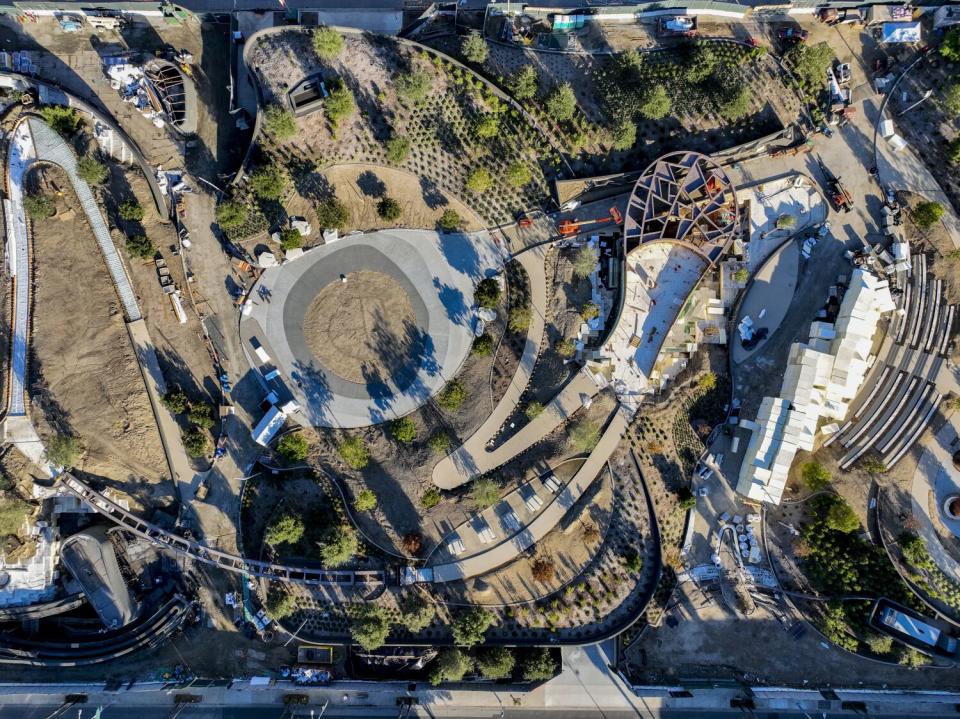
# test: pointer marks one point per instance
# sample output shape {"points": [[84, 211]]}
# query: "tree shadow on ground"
{"points": [[371, 185]]}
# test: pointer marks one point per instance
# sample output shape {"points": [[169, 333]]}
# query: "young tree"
{"points": [[140, 246], [417, 612], [585, 261], [479, 180], [487, 126], [450, 221], [176, 401], [279, 122], [633, 562], [525, 83], [736, 103], [519, 318], [339, 103], [584, 435], [64, 120], [413, 86], [389, 209], [339, 546], [566, 347], [201, 415], [533, 410], [64, 450], [450, 666], [543, 569], [470, 625], [332, 214], [403, 430], [91, 171], [485, 492], [131, 210], [293, 447], [196, 442], [539, 665], [365, 501], [280, 603], [841, 517], [397, 149], [815, 476], [495, 662], [269, 182], [452, 396], [475, 48], [655, 103], [231, 215], [290, 239], [482, 345], [370, 626], [518, 174], [624, 135], [285, 529], [439, 442], [353, 451], [927, 214], [686, 499], [38, 207], [487, 293], [431, 498], [327, 43], [561, 103]]}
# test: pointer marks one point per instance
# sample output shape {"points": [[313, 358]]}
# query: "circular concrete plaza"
{"points": [[367, 328]]}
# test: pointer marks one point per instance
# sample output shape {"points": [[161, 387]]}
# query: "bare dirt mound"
{"points": [[360, 327], [84, 374]]}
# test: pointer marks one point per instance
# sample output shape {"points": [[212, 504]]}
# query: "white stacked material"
{"points": [[818, 382]]}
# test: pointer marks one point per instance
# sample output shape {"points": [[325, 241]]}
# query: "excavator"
{"points": [[568, 228]]}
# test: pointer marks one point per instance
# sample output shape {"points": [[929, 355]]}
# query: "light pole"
{"points": [[926, 96]]}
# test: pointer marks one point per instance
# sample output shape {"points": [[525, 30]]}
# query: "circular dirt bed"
{"points": [[361, 327]]}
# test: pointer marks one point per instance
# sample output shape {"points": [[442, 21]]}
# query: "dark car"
{"points": [[792, 35]]}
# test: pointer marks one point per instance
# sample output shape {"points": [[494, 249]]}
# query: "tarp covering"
{"points": [[900, 32]]}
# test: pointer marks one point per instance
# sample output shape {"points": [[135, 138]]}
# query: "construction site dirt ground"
{"points": [[84, 376]]}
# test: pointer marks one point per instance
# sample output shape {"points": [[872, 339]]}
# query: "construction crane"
{"points": [[568, 228]]}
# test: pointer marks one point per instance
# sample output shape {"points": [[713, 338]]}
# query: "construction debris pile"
{"points": [[157, 88]]}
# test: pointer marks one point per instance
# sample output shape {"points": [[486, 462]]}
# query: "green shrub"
{"points": [[92, 171], [332, 214], [873, 465], [370, 627], [450, 666], [285, 529], [417, 612], [231, 215], [450, 221], [397, 149], [482, 345], [479, 180], [880, 644], [741, 276], [951, 98], [533, 410], [269, 182], [518, 174], [403, 429], [815, 476], [389, 209], [519, 318], [201, 415], [354, 452], [707, 381], [280, 603], [327, 43], [539, 665], [589, 311], [633, 562], [565, 348], [809, 64], [64, 120], [64, 450], [176, 401], [469, 626], [786, 222], [131, 210], [431, 498], [953, 151], [474, 48], [279, 122], [950, 47], [736, 103], [487, 126], [196, 442], [484, 493], [440, 442], [495, 662], [927, 214], [686, 499], [915, 552], [290, 239], [140, 246], [584, 435], [339, 546], [624, 135], [452, 396], [365, 501], [293, 447], [413, 86], [561, 103], [841, 517], [487, 293], [339, 103], [38, 207], [655, 103], [836, 628]]}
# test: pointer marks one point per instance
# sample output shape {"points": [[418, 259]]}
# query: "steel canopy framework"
{"points": [[683, 197]]}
